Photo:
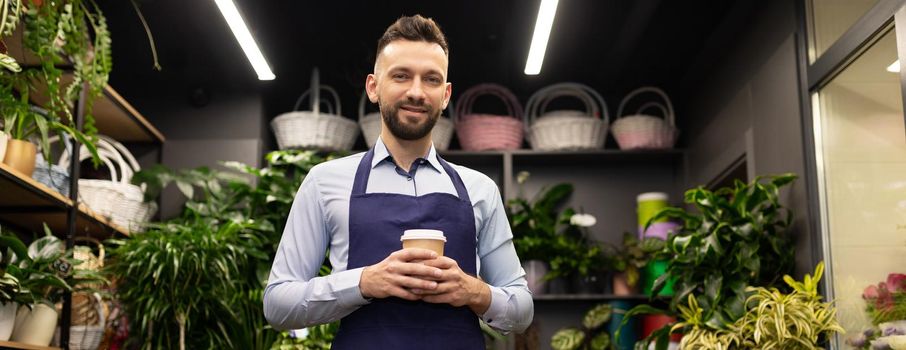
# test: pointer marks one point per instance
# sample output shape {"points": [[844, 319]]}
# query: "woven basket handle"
{"points": [[316, 110], [659, 106], [541, 98], [362, 104], [101, 252], [669, 116], [464, 105], [111, 153]]}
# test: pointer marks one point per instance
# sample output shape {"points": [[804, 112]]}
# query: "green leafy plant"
{"points": [[737, 239], [10, 247], [217, 200], [798, 320], [592, 335], [543, 231], [177, 281], [633, 255]]}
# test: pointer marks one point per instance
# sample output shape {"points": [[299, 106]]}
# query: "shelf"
{"points": [[113, 115], [29, 204], [601, 155], [14, 345], [588, 297]]}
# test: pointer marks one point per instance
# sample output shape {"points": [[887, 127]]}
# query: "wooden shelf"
{"points": [[14, 345], [113, 115], [29, 204]]}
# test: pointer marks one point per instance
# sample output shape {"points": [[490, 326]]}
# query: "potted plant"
{"points": [[738, 237], [45, 277], [10, 288], [629, 259], [592, 336], [55, 32]]}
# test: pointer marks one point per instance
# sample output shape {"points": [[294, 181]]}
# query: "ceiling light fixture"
{"points": [[245, 39], [542, 33], [894, 67]]}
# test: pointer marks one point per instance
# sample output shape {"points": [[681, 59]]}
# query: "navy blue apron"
{"points": [[376, 222]]}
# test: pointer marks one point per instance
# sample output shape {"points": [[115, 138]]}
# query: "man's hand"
{"points": [[456, 287], [400, 272]]}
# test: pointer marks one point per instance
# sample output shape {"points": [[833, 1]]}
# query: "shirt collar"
{"points": [[381, 154]]}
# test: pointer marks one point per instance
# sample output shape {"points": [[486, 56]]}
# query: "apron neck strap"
{"points": [[360, 184]]}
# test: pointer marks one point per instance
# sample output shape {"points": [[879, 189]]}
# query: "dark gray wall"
{"points": [[749, 107], [230, 127]]}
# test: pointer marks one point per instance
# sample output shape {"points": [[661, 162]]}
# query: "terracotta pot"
{"points": [[20, 155], [7, 319], [621, 286], [4, 138], [35, 326]]}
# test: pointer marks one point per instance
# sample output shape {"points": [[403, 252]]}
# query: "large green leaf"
{"points": [[597, 316], [567, 339]]}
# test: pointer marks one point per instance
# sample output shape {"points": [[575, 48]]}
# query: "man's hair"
{"points": [[413, 28]]}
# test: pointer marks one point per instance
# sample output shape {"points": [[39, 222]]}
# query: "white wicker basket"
{"points": [[371, 127], [313, 129], [116, 199], [88, 337], [566, 129], [642, 131]]}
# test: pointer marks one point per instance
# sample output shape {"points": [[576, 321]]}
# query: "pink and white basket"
{"points": [[371, 126], [566, 129], [643, 131], [482, 132], [313, 129]]}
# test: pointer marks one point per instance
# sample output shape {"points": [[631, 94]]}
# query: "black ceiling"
{"points": [[612, 45]]}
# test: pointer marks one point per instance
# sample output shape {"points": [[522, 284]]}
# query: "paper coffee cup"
{"points": [[426, 239]]}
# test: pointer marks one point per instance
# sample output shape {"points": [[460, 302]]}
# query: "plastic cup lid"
{"points": [[423, 234], [652, 196]]}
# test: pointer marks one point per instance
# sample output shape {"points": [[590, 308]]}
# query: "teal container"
{"points": [[630, 333], [652, 271]]}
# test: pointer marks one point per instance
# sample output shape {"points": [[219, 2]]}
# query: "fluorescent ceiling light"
{"points": [[542, 33], [894, 67], [241, 32]]}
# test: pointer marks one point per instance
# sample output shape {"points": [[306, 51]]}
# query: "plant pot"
{"points": [[4, 139], [621, 285], [7, 319], [20, 155], [35, 326], [534, 275]]}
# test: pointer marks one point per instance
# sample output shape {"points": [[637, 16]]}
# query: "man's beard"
{"points": [[404, 131]]}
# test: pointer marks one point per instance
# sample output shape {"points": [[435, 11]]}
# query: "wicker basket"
{"points": [[371, 127], [53, 176], [642, 131], [566, 129], [88, 335], [116, 199], [312, 129], [481, 132]]}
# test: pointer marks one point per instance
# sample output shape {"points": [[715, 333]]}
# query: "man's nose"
{"points": [[416, 91]]}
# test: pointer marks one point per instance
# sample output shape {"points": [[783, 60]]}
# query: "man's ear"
{"points": [[371, 88]]}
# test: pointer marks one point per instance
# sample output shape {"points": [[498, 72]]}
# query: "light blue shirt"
{"points": [[319, 219]]}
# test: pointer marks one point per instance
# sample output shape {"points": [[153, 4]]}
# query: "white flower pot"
{"points": [[3, 141], [7, 319], [35, 326]]}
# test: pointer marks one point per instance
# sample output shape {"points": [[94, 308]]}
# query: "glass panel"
{"points": [[830, 19], [861, 156]]}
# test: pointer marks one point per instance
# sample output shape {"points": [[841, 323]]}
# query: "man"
{"points": [[358, 206]]}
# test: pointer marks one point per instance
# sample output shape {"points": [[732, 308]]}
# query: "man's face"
{"points": [[410, 86]]}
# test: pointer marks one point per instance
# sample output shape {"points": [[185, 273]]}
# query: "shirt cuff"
{"points": [[346, 287], [495, 315]]}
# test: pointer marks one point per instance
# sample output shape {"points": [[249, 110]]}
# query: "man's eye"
{"points": [[400, 76], [434, 80]]}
